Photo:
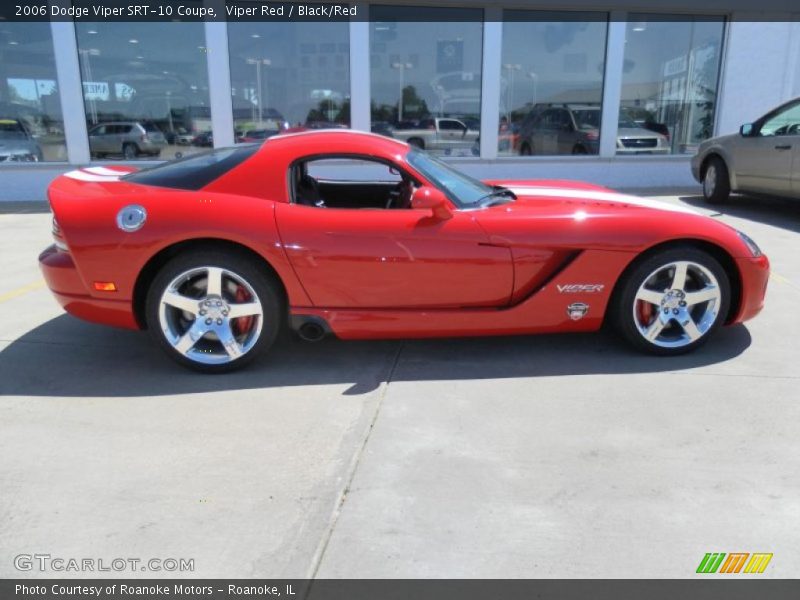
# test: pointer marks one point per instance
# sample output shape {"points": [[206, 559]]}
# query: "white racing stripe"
{"points": [[103, 171], [85, 175], [598, 196]]}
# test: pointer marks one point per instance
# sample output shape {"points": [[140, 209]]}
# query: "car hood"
{"points": [[569, 196], [17, 146], [576, 215]]}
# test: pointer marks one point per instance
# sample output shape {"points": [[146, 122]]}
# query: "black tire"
{"points": [[624, 308], [716, 181], [525, 149], [578, 149], [266, 290], [130, 151], [417, 143]]}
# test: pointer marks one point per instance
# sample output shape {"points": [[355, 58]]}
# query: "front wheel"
{"points": [[716, 181], [214, 311], [673, 301]]}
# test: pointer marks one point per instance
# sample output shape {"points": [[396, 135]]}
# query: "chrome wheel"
{"points": [[210, 315], [710, 181], [677, 304]]}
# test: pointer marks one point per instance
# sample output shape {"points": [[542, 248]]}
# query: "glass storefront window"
{"points": [[288, 77], [31, 123], [551, 82], [145, 89], [669, 83], [426, 77]]}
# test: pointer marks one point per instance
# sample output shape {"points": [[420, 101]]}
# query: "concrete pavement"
{"points": [[550, 456]]}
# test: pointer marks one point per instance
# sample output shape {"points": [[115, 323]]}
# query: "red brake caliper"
{"points": [[645, 312], [242, 324]]}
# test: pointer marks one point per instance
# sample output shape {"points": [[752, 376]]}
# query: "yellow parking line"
{"points": [[22, 290], [779, 278]]}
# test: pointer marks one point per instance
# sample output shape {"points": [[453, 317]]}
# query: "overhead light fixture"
{"points": [[255, 36], [133, 41], [13, 43], [92, 31], [639, 26]]}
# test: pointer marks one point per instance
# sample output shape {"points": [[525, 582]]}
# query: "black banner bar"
{"points": [[422, 11], [739, 587]]}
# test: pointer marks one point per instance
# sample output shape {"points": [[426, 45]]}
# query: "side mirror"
{"points": [[746, 130], [434, 200]]}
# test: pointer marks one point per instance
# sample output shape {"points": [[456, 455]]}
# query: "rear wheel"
{"points": [[673, 301], [417, 143], [716, 181], [214, 311], [130, 151]]}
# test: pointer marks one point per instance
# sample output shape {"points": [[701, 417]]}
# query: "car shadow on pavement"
{"points": [[67, 357], [778, 212]]}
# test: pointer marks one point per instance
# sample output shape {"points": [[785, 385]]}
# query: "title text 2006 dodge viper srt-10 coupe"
{"points": [[215, 253]]}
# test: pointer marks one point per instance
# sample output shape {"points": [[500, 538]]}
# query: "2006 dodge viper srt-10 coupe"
{"points": [[214, 254]]}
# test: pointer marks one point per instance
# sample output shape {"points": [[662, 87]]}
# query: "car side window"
{"points": [[450, 125], [787, 122], [350, 182]]}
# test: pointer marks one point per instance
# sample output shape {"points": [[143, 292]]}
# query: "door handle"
{"points": [[783, 147]]}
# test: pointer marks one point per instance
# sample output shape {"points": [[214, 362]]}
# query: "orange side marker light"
{"points": [[105, 286]]}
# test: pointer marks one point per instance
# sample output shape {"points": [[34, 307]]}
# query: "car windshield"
{"points": [[462, 189]]}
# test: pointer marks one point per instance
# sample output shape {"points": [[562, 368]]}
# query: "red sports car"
{"points": [[215, 253]]}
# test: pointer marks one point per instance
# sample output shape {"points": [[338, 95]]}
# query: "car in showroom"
{"points": [[762, 158], [17, 144], [575, 129], [130, 139], [365, 237]]}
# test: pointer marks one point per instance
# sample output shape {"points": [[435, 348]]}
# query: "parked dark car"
{"points": [[204, 140], [575, 129]]}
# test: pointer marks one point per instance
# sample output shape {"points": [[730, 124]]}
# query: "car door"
{"points": [[566, 132], [393, 258], [96, 135], [546, 133], [765, 161], [110, 139], [453, 134]]}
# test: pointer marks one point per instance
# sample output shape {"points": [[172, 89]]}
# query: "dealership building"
{"points": [[619, 94]]}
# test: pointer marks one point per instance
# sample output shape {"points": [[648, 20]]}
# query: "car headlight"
{"points": [[751, 245]]}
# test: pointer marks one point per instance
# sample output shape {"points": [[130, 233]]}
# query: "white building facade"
{"points": [[616, 96]]}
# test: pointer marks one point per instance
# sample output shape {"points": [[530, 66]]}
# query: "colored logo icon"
{"points": [[736, 562]]}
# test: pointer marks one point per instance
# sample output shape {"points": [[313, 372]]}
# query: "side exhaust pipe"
{"points": [[311, 331]]}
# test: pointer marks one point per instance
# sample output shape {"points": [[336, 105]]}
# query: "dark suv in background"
{"points": [[575, 129]]}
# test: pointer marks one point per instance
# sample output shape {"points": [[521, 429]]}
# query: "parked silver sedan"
{"points": [[763, 158]]}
